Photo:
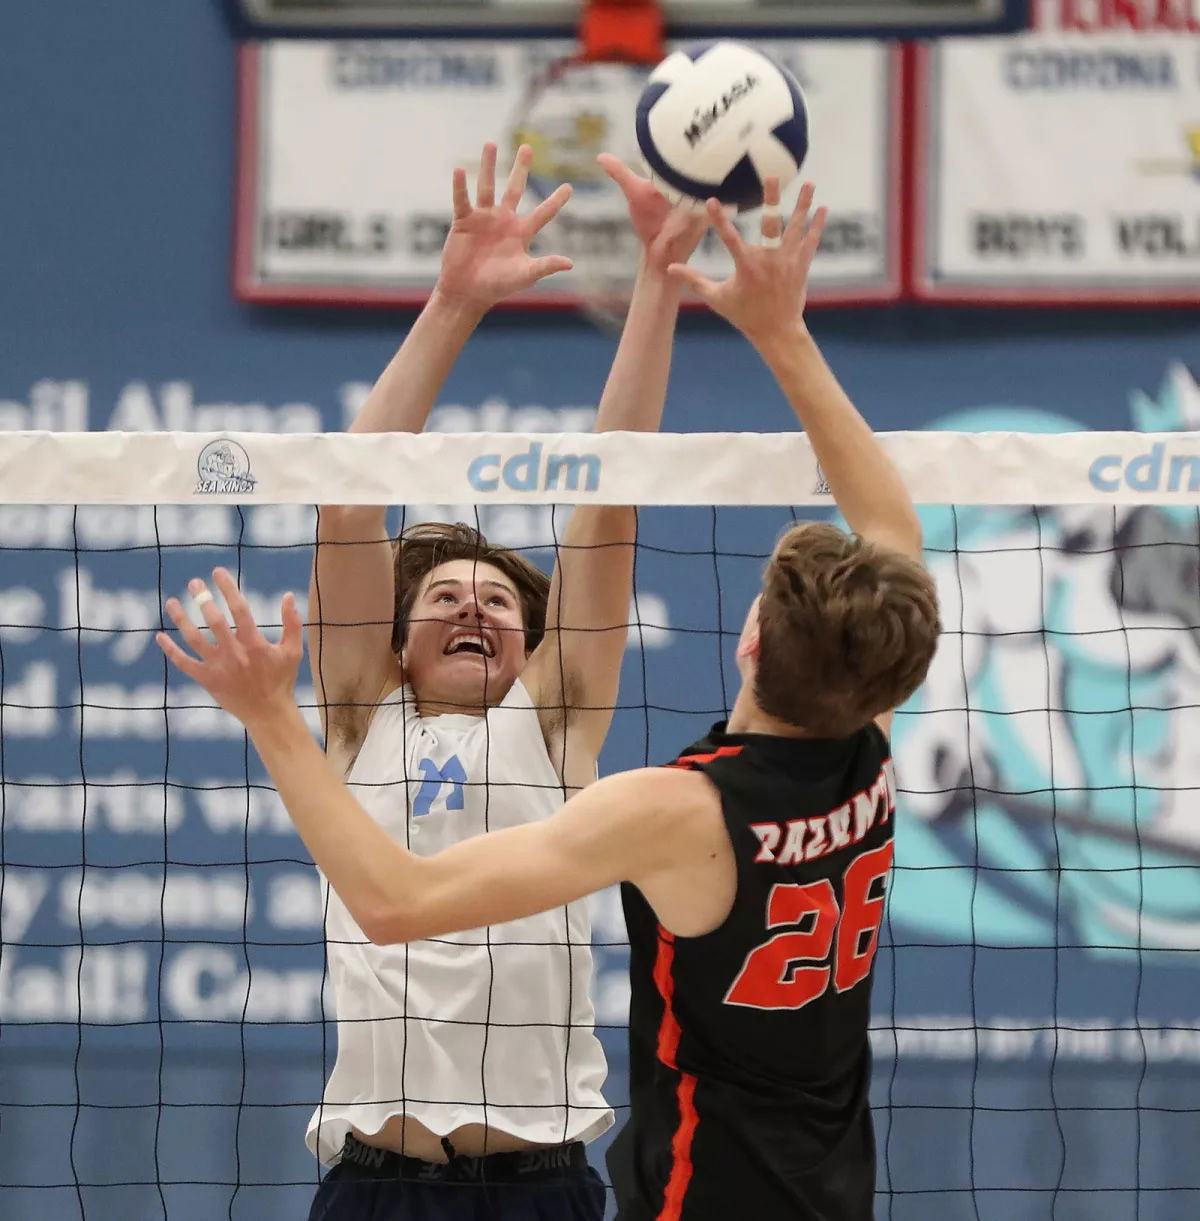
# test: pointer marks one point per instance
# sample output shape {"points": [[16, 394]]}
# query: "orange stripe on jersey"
{"points": [[681, 1151], [668, 1029], [722, 752], [668, 1046]]}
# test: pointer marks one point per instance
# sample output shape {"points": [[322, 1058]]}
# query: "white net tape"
{"points": [[939, 468], [162, 933]]}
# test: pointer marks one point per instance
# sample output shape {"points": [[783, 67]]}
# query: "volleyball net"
{"points": [[165, 1025]]}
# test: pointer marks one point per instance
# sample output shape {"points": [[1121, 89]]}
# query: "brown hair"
{"points": [[847, 630], [420, 549]]}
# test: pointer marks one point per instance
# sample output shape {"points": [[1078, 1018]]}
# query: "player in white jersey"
{"points": [[462, 692]]}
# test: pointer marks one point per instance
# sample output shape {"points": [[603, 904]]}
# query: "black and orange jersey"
{"points": [[750, 1060]]}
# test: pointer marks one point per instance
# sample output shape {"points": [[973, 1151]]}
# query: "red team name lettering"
{"points": [[1097, 16], [808, 839]]}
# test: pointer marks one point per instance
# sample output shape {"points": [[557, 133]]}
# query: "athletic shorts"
{"points": [[369, 1184]]}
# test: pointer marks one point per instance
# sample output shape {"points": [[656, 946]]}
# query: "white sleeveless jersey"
{"points": [[491, 1026]]}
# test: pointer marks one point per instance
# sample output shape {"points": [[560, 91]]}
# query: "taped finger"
{"points": [[210, 608]]}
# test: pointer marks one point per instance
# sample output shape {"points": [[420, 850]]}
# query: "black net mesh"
{"points": [[163, 1040]]}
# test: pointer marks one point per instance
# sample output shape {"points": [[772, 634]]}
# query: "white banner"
{"points": [[939, 468], [1064, 164], [347, 149]]}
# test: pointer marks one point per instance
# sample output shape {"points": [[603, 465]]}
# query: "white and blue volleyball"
{"points": [[717, 120]]}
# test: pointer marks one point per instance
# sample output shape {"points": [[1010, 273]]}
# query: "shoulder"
{"points": [[675, 835], [638, 821], [661, 800]]}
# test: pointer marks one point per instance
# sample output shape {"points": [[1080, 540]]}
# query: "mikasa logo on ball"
{"points": [[705, 119], [716, 121]]}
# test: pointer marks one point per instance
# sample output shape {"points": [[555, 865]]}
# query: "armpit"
{"points": [[558, 702]]}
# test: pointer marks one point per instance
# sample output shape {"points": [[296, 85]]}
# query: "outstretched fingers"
{"points": [[182, 661], [812, 238], [772, 221], [550, 265], [214, 616], [239, 608], [619, 172], [485, 188], [798, 226], [725, 227], [514, 192], [549, 208], [462, 198], [292, 640], [192, 635]]}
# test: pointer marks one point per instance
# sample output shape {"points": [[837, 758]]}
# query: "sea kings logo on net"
{"points": [[223, 468]]}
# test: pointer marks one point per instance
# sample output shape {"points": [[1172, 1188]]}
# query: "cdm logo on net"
{"points": [[1153, 471], [529, 472]]}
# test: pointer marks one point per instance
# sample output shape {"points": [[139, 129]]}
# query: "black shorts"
{"points": [[370, 1184]]}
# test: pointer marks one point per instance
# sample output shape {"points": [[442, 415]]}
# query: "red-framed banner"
{"points": [[346, 150], [1062, 166]]}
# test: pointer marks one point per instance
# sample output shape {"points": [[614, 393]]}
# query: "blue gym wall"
{"points": [[116, 155]]}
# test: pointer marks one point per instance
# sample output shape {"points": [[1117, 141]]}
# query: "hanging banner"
{"points": [[1063, 165], [347, 149]]}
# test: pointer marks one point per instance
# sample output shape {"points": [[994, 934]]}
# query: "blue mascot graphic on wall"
{"points": [[1050, 767]]}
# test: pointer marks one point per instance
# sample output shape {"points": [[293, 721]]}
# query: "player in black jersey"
{"points": [[755, 867]]}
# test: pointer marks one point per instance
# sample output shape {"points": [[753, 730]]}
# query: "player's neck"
{"points": [[748, 717], [442, 703]]}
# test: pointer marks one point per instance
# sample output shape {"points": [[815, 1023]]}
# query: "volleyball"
{"points": [[717, 120]]}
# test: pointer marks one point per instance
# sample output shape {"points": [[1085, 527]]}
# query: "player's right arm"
{"points": [[765, 300], [352, 595]]}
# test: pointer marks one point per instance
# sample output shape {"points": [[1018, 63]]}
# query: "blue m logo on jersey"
{"points": [[435, 778]]}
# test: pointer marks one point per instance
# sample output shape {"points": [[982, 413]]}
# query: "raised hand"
{"points": [[239, 667], [768, 290], [486, 256], [669, 234]]}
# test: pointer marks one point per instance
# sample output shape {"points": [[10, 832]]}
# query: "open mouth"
{"points": [[470, 642]]}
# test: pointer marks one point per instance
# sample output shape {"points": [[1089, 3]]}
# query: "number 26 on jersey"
{"points": [[818, 944]]}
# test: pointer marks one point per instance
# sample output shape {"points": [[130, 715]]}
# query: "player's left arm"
{"points": [[625, 827], [574, 674]]}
